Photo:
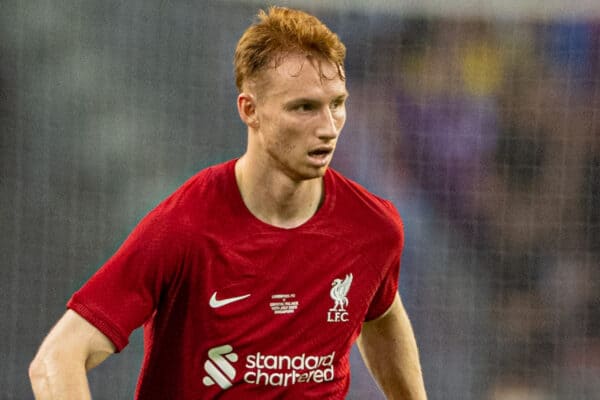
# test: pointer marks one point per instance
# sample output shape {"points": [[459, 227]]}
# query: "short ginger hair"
{"points": [[282, 31]]}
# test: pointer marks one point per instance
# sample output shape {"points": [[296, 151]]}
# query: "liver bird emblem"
{"points": [[338, 292]]}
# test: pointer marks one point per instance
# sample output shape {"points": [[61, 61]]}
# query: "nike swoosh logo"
{"points": [[215, 303]]}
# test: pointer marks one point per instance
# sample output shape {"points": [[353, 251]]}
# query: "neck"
{"points": [[274, 198]]}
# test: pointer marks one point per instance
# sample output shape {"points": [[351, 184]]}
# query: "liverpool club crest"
{"points": [[339, 292]]}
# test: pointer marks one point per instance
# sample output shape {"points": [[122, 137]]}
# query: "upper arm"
{"points": [[75, 339], [378, 336], [388, 347], [389, 324]]}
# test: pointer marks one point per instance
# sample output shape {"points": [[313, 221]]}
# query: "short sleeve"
{"points": [[123, 294], [386, 292], [384, 297]]}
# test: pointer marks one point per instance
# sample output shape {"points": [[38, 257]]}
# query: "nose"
{"points": [[329, 125]]}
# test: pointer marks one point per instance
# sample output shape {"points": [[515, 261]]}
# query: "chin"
{"points": [[318, 172], [305, 172]]}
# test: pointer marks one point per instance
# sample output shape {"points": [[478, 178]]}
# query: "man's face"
{"points": [[301, 110]]}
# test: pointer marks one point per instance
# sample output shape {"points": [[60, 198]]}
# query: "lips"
{"points": [[320, 151], [320, 156]]}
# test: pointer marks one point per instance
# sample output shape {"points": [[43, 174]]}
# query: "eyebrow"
{"points": [[310, 100], [342, 96]]}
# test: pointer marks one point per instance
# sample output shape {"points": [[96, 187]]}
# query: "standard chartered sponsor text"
{"points": [[284, 370]]}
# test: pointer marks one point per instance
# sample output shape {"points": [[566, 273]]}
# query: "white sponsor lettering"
{"points": [[261, 377], [267, 369], [283, 370]]}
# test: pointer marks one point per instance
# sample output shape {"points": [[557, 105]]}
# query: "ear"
{"points": [[246, 104]]}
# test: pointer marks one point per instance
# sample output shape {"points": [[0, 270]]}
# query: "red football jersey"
{"points": [[235, 308]]}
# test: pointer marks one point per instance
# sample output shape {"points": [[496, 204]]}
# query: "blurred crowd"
{"points": [[484, 132], [496, 126]]}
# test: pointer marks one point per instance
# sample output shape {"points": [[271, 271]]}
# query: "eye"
{"points": [[305, 107], [337, 103]]}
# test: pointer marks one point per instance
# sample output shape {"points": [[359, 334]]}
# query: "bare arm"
{"points": [[72, 348], [389, 349]]}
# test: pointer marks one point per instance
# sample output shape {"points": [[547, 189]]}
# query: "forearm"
{"points": [[401, 377], [390, 352]]}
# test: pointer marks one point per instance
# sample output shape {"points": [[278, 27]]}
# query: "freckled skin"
{"points": [[302, 108]]}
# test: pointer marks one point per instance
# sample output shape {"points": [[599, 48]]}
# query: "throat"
{"points": [[280, 203], [293, 211]]}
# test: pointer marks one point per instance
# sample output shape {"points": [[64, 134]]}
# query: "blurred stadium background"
{"points": [[480, 120]]}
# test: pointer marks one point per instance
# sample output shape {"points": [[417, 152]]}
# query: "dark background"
{"points": [[482, 130]]}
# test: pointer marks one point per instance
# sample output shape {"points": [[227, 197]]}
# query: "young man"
{"points": [[254, 279]]}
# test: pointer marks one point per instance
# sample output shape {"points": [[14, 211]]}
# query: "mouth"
{"points": [[321, 155], [320, 152]]}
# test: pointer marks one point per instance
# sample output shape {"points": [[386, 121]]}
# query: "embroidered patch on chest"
{"points": [[283, 303], [339, 295]]}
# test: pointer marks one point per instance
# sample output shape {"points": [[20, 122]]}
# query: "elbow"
{"points": [[38, 374]]}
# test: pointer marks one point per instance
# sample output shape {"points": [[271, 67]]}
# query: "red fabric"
{"points": [[202, 240]]}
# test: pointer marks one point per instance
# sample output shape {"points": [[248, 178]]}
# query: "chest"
{"points": [[263, 311], [296, 289]]}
